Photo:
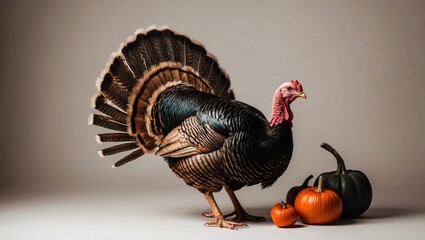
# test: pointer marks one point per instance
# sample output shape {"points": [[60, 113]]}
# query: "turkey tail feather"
{"points": [[114, 137], [132, 156], [112, 91], [122, 75], [150, 62], [99, 102], [117, 149], [106, 122]]}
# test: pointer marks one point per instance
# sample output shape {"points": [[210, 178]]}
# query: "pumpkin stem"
{"points": [[284, 205], [320, 185], [305, 183], [341, 165]]}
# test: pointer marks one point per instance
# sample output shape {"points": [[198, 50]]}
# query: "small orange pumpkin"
{"points": [[283, 215], [317, 205]]}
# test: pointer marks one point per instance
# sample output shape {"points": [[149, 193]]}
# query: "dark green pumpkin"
{"points": [[352, 186]]}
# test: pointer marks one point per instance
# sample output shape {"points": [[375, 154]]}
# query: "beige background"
{"points": [[362, 65]]}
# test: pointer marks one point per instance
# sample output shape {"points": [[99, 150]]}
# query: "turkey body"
{"points": [[232, 143], [163, 93]]}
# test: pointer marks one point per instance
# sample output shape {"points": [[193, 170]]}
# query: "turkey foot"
{"points": [[239, 213], [240, 216], [208, 215], [211, 215], [220, 221]]}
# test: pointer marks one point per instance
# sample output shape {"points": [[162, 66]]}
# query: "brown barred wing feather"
{"points": [[190, 138]]}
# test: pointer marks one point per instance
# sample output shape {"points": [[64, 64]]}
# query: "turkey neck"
{"points": [[281, 110], [280, 132]]}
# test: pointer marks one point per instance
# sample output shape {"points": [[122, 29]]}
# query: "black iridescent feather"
{"points": [[251, 153]]}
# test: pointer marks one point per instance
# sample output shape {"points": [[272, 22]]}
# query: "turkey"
{"points": [[163, 93]]}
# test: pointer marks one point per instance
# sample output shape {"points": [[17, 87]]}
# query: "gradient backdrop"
{"points": [[362, 65]]}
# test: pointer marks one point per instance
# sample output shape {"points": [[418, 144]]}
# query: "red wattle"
{"points": [[281, 110]]}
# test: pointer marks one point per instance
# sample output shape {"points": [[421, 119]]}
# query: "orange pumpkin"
{"points": [[317, 205], [283, 215]]}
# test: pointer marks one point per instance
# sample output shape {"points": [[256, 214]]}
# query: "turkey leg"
{"points": [[219, 219], [239, 212]]}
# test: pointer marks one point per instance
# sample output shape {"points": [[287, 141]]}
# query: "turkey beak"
{"points": [[301, 95]]}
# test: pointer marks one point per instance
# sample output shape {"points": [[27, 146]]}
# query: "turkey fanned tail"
{"points": [[149, 63]]}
